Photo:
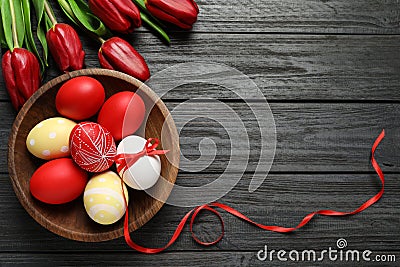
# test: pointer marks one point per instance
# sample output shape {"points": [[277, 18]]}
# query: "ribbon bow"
{"points": [[125, 160]]}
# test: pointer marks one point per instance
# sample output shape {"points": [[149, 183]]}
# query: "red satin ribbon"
{"points": [[211, 207], [125, 160]]}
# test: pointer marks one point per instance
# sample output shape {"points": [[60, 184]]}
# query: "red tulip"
{"points": [[182, 13], [118, 54], [65, 47], [118, 15], [21, 73]]}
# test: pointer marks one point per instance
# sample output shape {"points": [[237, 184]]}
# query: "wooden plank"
{"points": [[313, 16], [224, 258], [284, 67], [281, 200], [308, 16], [310, 137]]}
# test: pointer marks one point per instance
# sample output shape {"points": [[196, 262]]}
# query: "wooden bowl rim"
{"points": [[46, 223]]}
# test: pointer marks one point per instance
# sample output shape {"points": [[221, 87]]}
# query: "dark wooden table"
{"points": [[331, 73]]}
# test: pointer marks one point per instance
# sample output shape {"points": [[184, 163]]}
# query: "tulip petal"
{"points": [[167, 17], [103, 61], [9, 79], [57, 50], [182, 13], [120, 16], [118, 54], [20, 62], [27, 72], [21, 72], [65, 47]]}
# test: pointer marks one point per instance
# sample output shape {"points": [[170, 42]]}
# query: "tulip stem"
{"points": [[101, 40], [14, 24], [50, 13]]}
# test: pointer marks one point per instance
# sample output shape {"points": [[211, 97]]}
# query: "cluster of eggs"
{"points": [[76, 149]]}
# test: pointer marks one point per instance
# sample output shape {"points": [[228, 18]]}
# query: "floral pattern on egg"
{"points": [[49, 139]]}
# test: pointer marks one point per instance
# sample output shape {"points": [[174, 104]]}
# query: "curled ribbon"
{"points": [[125, 160], [211, 207]]}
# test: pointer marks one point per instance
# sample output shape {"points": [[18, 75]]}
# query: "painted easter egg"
{"points": [[122, 114], [80, 98], [92, 147], [145, 172], [103, 198], [49, 139], [58, 181]]}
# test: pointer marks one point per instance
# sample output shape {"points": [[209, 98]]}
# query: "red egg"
{"points": [[58, 181], [122, 114], [80, 98], [92, 147]]}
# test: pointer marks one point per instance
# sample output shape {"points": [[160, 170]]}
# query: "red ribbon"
{"points": [[211, 207], [125, 160]]}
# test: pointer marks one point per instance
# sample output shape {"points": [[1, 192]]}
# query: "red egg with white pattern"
{"points": [[92, 147]]}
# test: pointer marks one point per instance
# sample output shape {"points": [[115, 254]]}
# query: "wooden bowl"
{"points": [[70, 220]]}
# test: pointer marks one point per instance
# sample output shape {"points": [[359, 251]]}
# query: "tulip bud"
{"points": [[21, 73], [118, 54], [182, 13], [65, 47], [120, 16]]}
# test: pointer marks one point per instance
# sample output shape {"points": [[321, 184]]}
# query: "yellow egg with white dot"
{"points": [[103, 198], [49, 139]]}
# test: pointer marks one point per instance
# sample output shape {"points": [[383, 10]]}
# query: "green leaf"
{"points": [[47, 22], [140, 4], [19, 17], [42, 28], [88, 19], [29, 40], [68, 11], [155, 27], [6, 23], [3, 42], [78, 11], [39, 8]]}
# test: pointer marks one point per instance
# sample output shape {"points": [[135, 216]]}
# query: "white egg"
{"points": [[145, 172]]}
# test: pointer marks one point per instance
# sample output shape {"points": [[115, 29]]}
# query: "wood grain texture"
{"points": [[285, 16], [284, 67], [223, 258], [312, 16], [282, 200], [310, 137], [331, 71]]}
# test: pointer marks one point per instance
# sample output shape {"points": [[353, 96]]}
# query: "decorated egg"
{"points": [[49, 139], [103, 198], [122, 114], [58, 181], [92, 147], [145, 172], [80, 98]]}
